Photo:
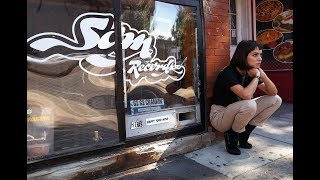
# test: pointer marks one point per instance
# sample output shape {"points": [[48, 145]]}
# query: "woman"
{"points": [[234, 111]]}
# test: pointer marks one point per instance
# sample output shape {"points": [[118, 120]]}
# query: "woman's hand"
{"points": [[254, 72], [263, 75], [267, 86]]}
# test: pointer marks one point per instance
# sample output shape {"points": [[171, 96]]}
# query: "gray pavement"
{"points": [[270, 158]]}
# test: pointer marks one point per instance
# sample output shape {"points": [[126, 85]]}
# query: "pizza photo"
{"points": [[284, 22], [269, 38], [284, 52], [268, 10]]}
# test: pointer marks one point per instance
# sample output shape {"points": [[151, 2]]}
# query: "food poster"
{"points": [[274, 27]]}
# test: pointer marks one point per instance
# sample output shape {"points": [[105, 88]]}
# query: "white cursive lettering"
{"points": [[140, 43]]}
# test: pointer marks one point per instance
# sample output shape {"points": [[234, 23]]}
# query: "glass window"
{"points": [[70, 77], [233, 23], [71, 73], [233, 7], [160, 63]]}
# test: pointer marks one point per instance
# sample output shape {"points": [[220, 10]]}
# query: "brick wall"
{"points": [[217, 25]]}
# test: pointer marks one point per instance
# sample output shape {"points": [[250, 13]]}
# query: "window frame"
{"points": [[244, 22]]}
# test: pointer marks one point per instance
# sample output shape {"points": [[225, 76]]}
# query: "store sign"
{"points": [[40, 138], [157, 120], [140, 43], [146, 105]]}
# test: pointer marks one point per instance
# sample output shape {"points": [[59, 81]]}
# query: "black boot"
{"points": [[244, 136], [231, 138]]}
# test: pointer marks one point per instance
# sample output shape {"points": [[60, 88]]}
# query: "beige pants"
{"points": [[237, 115]]}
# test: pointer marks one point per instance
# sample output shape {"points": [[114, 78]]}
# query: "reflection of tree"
{"points": [[184, 36], [138, 13], [185, 18]]}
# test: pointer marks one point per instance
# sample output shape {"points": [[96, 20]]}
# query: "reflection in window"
{"points": [[69, 109], [171, 31]]}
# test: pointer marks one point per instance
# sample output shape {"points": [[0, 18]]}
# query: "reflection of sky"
{"points": [[164, 19]]}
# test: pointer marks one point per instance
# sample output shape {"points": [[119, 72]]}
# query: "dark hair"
{"points": [[239, 58]]}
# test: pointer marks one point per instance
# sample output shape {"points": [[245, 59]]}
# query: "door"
{"points": [[160, 66]]}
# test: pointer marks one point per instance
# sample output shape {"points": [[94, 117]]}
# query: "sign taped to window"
{"points": [[146, 105]]}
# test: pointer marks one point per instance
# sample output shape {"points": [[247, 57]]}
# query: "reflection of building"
{"points": [[175, 52], [90, 116]]}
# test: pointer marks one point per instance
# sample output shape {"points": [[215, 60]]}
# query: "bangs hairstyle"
{"points": [[239, 58]]}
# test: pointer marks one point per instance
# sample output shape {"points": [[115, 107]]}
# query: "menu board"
{"points": [[274, 27]]}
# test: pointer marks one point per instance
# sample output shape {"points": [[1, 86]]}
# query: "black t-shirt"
{"points": [[228, 77]]}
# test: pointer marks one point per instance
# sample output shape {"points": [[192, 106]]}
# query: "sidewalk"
{"points": [[270, 158]]}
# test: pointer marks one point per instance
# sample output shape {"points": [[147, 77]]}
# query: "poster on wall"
{"points": [[274, 27]]}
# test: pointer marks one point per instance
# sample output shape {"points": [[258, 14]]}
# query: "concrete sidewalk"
{"points": [[270, 158]]}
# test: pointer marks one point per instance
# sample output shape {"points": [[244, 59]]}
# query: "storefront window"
{"points": [[70, 77], [76, 99], [160, 64]]}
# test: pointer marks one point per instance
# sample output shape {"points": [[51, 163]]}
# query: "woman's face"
{"points": [[254, 58]]}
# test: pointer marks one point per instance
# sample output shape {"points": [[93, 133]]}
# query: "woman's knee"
{"points": [[270, 100], [275, 100], [249, 106], [278, 100]]}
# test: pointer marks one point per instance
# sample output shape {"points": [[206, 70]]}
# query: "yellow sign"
{"points": [[38, 118]]}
